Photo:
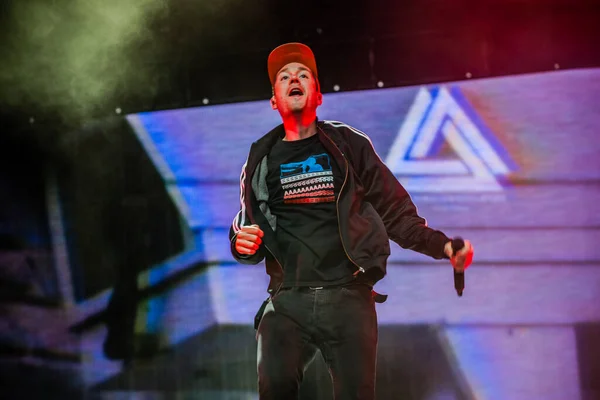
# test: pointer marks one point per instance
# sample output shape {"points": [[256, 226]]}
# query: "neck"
{"points": [[299, 126]]}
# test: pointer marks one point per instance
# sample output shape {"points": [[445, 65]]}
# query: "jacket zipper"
{"points": [[337, 209], [274, 257], [280, 266]]}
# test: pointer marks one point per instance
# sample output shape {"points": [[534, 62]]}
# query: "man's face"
{"points": [[295, 90]]}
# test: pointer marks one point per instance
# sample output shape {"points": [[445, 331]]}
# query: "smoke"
{"points": [[72, 57]]}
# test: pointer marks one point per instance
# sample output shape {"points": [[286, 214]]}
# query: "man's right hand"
{"points": [[248, 240]]}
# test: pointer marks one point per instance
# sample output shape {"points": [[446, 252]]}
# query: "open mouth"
{"points": [[295, 92]]}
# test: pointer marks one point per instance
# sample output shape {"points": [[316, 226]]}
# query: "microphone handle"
{"points": [[459, 277]]}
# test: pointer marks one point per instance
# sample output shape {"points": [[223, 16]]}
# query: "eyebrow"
{"points": [[299, 68]]}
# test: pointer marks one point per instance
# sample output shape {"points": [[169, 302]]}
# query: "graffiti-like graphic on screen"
{"points": [[308, 181], [474, 161]]}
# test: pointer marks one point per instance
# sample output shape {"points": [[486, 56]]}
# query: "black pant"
{"points": [[340, 321]]}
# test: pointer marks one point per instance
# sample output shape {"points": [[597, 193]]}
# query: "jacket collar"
{"points": [[262, 146]]}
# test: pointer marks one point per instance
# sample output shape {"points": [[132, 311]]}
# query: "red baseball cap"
{"points": [[289, 53]]}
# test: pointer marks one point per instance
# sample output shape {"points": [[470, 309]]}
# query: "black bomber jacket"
{"points": [[372, 207]]}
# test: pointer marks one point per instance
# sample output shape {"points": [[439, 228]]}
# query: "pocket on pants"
{"points": [[363, 292]]}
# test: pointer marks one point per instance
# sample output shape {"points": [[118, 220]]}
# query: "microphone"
{"points": [[459, 277]]}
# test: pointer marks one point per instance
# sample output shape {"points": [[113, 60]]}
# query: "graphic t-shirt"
{"points": [[304, 182]]}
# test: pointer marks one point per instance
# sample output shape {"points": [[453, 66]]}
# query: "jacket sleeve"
{"points": [[241, 219], [393, 203]]}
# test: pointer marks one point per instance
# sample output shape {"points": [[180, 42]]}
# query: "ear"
{"points": [[273, 103], [319, 98]]}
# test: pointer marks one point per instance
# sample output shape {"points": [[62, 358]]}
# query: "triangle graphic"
{"points": [[437, 115]]}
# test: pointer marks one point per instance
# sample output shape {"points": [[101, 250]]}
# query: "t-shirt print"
{"points": [[308, 181]]}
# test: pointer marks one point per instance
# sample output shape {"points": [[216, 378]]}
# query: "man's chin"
{"points": [[297, 108], [295, 103]]}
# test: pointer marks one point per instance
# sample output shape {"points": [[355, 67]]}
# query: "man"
{"points": [[320, 206]]}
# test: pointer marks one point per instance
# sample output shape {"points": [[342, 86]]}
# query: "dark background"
{"points": [[185, 51]]}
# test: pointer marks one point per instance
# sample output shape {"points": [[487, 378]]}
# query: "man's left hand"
{"points": [[462, 259]]}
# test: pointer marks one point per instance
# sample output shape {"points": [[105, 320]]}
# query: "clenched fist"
{"points": [[248, 240]]}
